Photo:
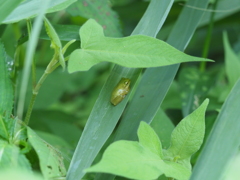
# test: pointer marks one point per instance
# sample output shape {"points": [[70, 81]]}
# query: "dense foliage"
{"points": [[61, 62]]}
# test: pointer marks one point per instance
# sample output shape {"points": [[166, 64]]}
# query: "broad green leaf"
{"points": [[132, 160], [149, 139], [210, 119], [99, 10], [29, 9], [19, 174], [188, 135], [104, 116], [6, 87], [55, 141], [10, 156], [129, 159], [232, 61], [176, 171], [136, 51], [6, 8], [194, 85], [58, 143], [223, 142], [51, 161]]}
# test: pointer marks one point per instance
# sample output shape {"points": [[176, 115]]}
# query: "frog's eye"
{"points": [[126, 82]]}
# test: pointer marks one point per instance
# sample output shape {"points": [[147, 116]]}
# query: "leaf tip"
{"points": [[206, 101]]}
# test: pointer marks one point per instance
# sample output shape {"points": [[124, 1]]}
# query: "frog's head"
{"points": [[126, 82]]}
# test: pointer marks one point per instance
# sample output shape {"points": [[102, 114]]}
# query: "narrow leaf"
{"points": [[155, 82], [188, 135], [67, 45], [223, 142], [229, 7], [30, 9], [29, 56], [136, 51], [232, 61], [55, 42], [52, 33], [104, 116], [232, 170]]}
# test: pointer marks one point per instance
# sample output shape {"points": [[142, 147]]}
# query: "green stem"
{"points": [[50, 68], [57, 64], [30, 107], [174, 160], [40, 82], [208, 38], [34, 95]]}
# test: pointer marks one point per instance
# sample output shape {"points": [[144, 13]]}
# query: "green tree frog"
{"points": [[120, 91]]}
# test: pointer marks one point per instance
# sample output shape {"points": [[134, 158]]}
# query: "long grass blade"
{"points": [[156, 81], [104, 116], [223, 142], [30, 52]]}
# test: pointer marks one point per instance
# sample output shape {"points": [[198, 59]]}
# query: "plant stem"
{"points": [[30, 107], [208, 38], [54, 63], [50, 68], [37, 87], [40, 82], [57, 64], [34, 95]]}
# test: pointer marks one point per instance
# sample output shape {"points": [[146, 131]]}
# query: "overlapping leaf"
{"points": [[136, 51]]}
